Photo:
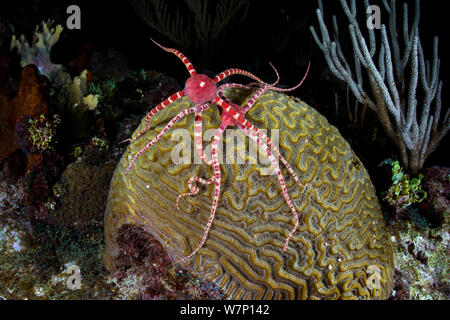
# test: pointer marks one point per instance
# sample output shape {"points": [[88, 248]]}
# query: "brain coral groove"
{"points": [[341, 233]]}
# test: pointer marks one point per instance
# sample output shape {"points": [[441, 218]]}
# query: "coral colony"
{"points": [[202, 90], [416, 132]]}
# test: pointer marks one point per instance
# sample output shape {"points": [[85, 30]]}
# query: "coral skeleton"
{"points": [[202, 91], [411, 119]]}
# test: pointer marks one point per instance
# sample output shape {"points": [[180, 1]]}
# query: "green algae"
{"points": [[423, 259]]}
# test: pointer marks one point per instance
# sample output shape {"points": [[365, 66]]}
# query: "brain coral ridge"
{"points": [[341, 249]]}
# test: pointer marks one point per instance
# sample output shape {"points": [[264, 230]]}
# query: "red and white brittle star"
{"points": [[202, 90]]}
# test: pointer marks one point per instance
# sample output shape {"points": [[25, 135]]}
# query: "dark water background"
{"points": [[249, 45]]}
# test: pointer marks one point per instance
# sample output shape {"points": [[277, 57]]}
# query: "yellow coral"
{"points": [[342, 237]]}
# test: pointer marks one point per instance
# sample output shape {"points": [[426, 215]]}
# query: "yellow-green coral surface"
{"points": [[341, 249]]}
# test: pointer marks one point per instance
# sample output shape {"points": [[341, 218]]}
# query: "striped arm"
{"points": [[166, 128], [225, 86], [227, 73], [265, 138], [293, 88], [230, 72], [246, 125], [227, 108], [272, 84], [193, 189], [155, 110], [198, 139], [217, 178], [267, 149], [221, 89], [250, 102], [181, 56], [276, 72]]}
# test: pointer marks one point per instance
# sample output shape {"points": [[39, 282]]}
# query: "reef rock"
{"points": [[341, 250], [81, 194]]}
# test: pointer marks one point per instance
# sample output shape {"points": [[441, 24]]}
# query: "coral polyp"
{"points": [[202, 91]]}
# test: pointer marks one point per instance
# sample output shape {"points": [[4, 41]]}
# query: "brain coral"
{"points": [[341, 249]]}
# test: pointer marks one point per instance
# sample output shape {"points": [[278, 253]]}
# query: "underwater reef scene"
{"points": [[162, 150]]}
